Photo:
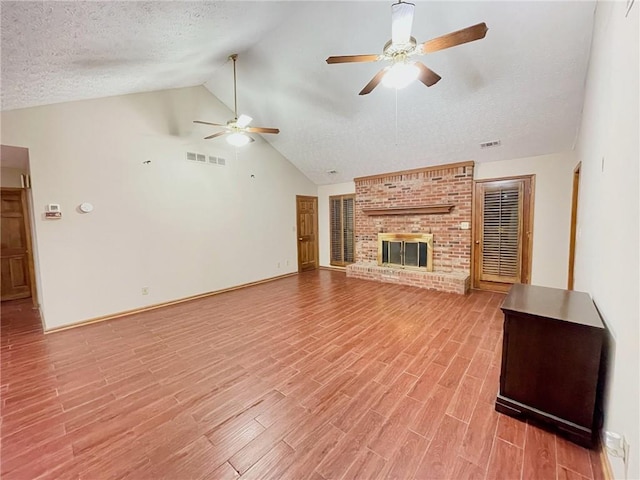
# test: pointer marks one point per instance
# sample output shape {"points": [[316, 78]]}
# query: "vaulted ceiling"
{"points": [[523, 84]]}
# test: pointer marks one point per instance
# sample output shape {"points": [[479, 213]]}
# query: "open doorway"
{"points": [[17, 261]]}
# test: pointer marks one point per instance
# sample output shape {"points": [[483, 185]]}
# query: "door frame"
{"points": [[298, 232], [528, 202], [26, 217], [574, 225]]}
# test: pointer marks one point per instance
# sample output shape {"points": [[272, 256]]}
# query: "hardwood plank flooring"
{"points": [[315, 376]]}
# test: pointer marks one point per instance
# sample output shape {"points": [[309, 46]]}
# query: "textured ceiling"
{"points": [[523, 84]]}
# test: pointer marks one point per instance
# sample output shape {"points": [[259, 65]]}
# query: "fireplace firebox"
{"points": [[406, 250]]}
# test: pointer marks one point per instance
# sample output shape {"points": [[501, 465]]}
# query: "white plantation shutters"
{"points": [[341, 210]]}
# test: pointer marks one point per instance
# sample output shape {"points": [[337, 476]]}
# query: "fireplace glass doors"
{"points": [[406, 250]]}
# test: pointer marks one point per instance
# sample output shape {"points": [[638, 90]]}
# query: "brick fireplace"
{"points": [[433, 200]]}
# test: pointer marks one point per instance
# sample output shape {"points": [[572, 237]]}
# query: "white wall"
{"points": [[179, 227], [10, 177], [324, 192], [607, 260], [552, 210]]}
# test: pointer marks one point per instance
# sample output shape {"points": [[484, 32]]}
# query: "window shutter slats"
{"points": [[348, 233], [336, 241], [342, 225], [501, 225]]}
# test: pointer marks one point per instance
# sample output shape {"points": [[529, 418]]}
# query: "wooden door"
{"points": [[16, 276], [307, 215], [503, 225]]}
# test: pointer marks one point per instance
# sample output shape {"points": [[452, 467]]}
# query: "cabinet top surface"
{"points": [[565, 305]]}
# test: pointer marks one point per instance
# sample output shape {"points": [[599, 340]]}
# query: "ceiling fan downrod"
{"points": [[234, 57]]}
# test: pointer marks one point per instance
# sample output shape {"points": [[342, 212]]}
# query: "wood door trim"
{"points": [[26, 216], [527, 246], [574, 222], [307, 197]]}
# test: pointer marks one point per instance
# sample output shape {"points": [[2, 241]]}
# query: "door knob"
{"points": [[477, 242], [301, 239]]}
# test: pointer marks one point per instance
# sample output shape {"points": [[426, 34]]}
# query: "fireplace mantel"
{"points": [[414, 209]]}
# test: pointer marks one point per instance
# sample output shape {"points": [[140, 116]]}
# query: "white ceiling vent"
{"points": [[493, 143], [222, 161], [191, 156], [201, 158]]}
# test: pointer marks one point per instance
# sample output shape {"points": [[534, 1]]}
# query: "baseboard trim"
{"points": [[605, 464], [334, 269], [164, 304]]}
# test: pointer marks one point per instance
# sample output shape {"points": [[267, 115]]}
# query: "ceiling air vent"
{"points": [[222, 161], [494, 143], [191, 156], [213, 160], [201, 158]]}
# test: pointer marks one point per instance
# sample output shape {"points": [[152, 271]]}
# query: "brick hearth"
{"points": [[444, 184]]}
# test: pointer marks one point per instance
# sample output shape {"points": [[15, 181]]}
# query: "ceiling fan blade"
{"points": [[243, 120], [374, 82], [426, 75], [401, 22], [262, 130], [353, 58], [215, 135], [209, 123], [469, 34]]}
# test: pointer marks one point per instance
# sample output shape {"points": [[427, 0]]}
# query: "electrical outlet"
{"points": [[145, 290]]}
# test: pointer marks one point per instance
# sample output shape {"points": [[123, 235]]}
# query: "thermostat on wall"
{"points": [[53, 207]]}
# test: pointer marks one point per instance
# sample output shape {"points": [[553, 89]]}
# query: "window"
{"points": [[341, 209]]}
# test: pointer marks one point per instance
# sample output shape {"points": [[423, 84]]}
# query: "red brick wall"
{"points": [[447, 184]]}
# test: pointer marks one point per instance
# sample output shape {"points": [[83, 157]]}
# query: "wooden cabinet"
{"points": [[553, 359]]}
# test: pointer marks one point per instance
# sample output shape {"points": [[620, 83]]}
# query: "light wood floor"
{"points": [[315, 376]]}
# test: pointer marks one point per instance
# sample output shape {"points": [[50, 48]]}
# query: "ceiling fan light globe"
{"points": [[400, 75], [238, 139]]}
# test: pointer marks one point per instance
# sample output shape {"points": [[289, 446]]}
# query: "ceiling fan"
{"points": [[237, 128], [403, 46]]}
